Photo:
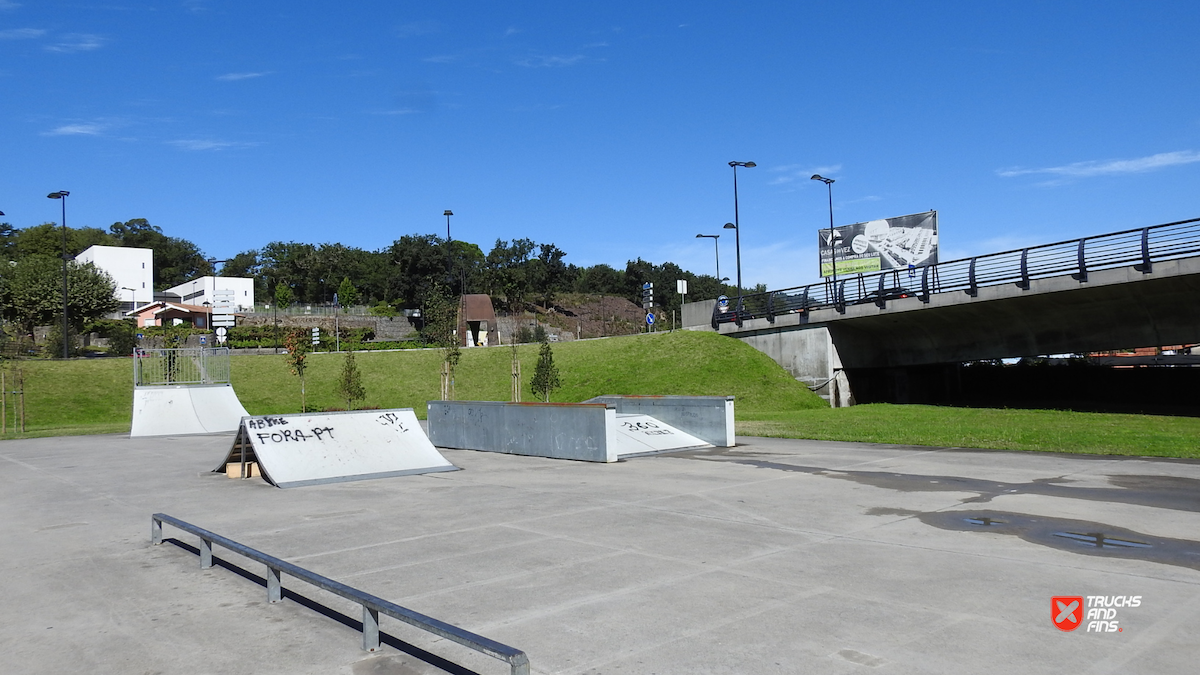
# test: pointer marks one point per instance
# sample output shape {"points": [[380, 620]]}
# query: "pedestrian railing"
{"points": [[1141, 248], [372, 606], [153, 367]]}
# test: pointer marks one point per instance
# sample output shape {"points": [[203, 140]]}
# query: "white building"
{"points": [[200, 291], [131, 268]]}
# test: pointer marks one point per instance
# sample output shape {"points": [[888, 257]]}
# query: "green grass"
{"points": [[1000, 429], [95, 396]]}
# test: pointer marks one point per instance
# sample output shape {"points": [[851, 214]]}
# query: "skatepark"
{"points": [[771, 556]]}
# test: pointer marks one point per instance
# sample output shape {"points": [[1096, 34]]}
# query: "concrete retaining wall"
{"points": [[709, 418], [559, 430]]}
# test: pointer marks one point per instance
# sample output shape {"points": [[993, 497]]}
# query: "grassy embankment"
{"points": [[95, 396]]}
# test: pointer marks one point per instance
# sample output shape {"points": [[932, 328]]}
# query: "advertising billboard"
{"points": [[877, 245]]}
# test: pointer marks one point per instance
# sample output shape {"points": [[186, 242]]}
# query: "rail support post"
{"points": [[274, 587], [205, 553], [155, 531], [370, 629]]}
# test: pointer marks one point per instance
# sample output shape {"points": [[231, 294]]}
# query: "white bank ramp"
{"points": [[180, 410], [605, 429], [315, 448]]}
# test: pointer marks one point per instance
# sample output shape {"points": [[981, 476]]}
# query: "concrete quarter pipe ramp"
{"points": [[177, 410], [311, 449]]}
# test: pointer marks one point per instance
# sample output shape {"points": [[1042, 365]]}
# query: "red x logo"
{"points": [[1066, 611]]}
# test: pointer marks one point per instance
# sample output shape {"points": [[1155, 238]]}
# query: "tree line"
{"points": [[515, 272]]}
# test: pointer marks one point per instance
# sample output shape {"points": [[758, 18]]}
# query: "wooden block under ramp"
{"points": [[234, 470]]}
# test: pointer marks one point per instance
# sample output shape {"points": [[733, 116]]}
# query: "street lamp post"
{"points": [[737, 236], [62, 194], [716, 250], [834, 237], [449, 254]]}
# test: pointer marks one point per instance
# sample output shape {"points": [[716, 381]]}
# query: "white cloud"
{"points": [[233, 77], [1110, 167], [21, 33], [415, 28], [201, 144], [794, 172], [77, 42], [76, 130], [442, 59], [549, 61], [8, 4], [397, 111], [512, 30]]}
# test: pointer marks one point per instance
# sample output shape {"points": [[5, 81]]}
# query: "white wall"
{"points": [[200, 290], [129, 268]]}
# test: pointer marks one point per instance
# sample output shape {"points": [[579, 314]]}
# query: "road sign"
{"points": [[681, 286], [140, 336], [650, 319], [647, 295], [316, 336], [203, 340], [722, 304], [221, 334]]}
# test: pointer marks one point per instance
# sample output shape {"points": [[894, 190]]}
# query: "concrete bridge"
{"points": [[1121, 290]]}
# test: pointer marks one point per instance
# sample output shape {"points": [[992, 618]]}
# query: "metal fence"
{"points": [[153, 367], [1140, 248], [372, 606]]}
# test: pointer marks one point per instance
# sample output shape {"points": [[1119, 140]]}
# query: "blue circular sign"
{"points": [[649, 319]]}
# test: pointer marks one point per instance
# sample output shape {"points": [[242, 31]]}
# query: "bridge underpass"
{"points": [[902, 338]]}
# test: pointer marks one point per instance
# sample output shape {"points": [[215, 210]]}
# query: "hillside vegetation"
{"points": [[95, 396]]}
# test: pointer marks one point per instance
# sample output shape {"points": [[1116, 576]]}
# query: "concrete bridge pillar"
{"points": [[811, 357]]}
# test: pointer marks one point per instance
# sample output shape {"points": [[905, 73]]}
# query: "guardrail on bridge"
{"points": [[1138, 247]]}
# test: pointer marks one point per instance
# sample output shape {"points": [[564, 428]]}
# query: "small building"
{"points": [[131, 268], [163, 313], [201, 290], [478, 318]]}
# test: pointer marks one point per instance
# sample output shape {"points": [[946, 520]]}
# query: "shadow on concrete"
{"points": [[328, 612]]}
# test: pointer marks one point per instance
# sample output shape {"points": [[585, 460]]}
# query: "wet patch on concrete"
{"points": [[887, 511], [1164, 492], [1076, 536], [855, 656]]}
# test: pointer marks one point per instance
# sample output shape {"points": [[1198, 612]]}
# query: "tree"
{"points": [[349, 383], [283, 296], [347, 293], [545, 374], [441, 324], [297, 346], [175, 260], [31, 293]]}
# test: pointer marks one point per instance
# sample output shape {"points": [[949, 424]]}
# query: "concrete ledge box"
{"points": [[578, 431]]}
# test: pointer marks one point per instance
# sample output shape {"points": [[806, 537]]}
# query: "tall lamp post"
{"points": [[449, 253], [737, 232], [62, 194], [834, 237], [716, 250]]}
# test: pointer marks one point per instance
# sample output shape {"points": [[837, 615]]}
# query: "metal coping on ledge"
{"points": [[372, 606]]}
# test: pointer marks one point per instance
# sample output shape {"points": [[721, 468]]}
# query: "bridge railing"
{"points": [[1140, 248]]}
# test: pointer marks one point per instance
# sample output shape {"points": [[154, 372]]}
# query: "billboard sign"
{"points": [[879, 245]]}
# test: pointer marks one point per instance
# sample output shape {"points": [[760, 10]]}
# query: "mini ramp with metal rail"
{"points": [[179, 392], [372, 606]]}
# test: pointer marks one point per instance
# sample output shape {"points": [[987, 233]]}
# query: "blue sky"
{"points": [[605, 128]]}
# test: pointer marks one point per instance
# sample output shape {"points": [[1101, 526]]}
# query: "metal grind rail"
{"points": [[1140, 247], [372, 606]]}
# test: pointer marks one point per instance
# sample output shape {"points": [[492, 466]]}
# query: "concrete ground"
{"points": [[776, 556]]}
